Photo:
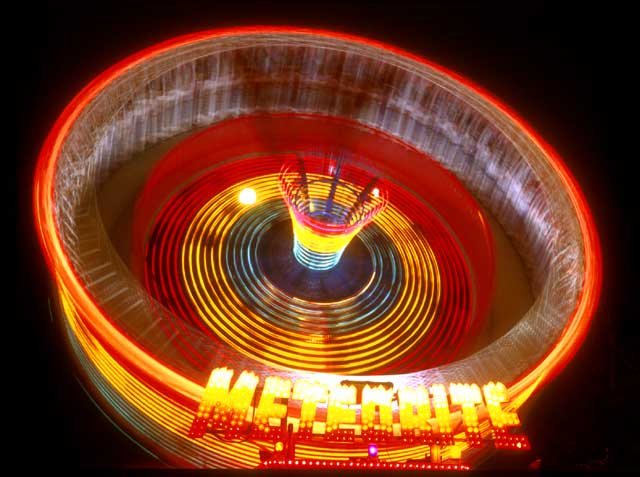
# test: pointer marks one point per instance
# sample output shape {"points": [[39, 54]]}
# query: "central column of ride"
{"points": [[329, 201]]}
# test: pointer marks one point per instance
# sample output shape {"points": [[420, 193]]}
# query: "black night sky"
{"points": [[564, 70]]}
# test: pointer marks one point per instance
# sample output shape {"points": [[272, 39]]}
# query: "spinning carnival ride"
{"points": [[310, 214]]}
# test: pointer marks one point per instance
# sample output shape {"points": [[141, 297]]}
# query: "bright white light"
{"points": [[247, 196], [376, 192]]}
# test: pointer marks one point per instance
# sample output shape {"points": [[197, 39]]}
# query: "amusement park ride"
{"points": [[310, 257]]}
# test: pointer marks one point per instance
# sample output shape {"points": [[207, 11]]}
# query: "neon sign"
{"points": [[347, 411]]}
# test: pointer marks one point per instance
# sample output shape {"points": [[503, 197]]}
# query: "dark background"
{"points": [[567, 71]]}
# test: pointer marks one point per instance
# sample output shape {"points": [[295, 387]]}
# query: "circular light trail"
{"points": [[204, 263], [543, 208]]}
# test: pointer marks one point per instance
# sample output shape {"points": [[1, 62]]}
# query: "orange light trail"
{"points": [[203, 282]]}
